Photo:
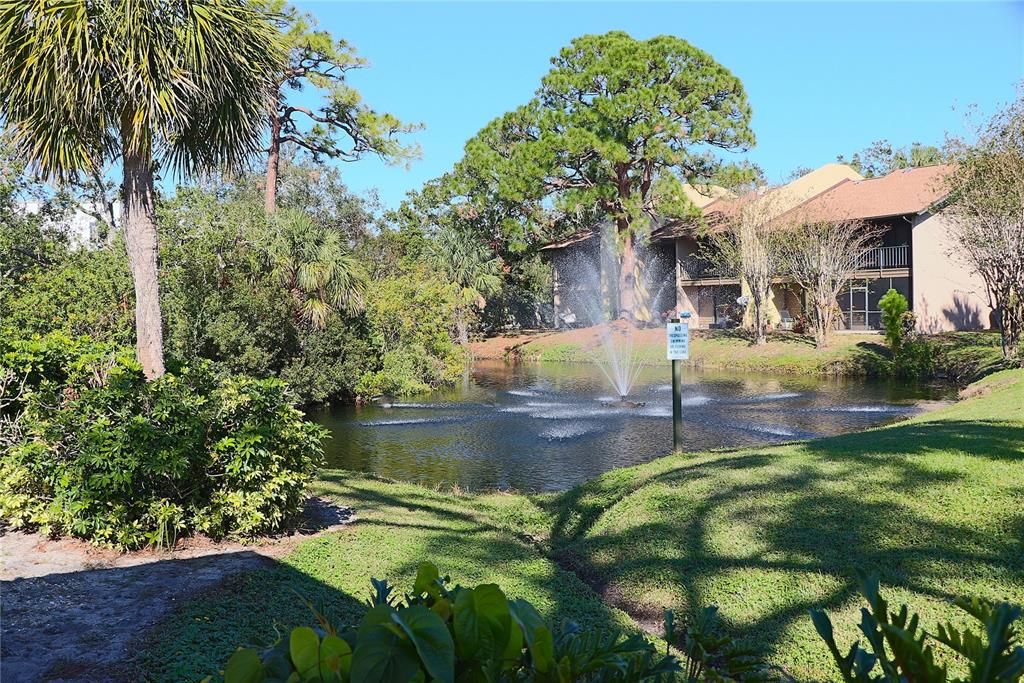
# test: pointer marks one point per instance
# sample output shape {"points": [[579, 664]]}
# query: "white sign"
{"points": [[678, 341]]}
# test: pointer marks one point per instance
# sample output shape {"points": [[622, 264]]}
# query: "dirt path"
{"points": [[72, 612]]}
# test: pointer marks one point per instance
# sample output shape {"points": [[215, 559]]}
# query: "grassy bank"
{"points": [[935, 505], [962, 356], [475, 538]]}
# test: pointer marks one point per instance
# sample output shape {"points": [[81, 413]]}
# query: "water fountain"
{"points": [[616, 356]]}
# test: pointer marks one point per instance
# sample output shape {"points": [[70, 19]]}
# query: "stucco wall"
{"points": [[947, 294]]}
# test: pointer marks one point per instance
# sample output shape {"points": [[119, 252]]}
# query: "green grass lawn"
{"points": [[961, 356], [474, 538], [935, 505]]}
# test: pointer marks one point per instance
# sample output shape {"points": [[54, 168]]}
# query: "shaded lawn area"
{"points": [[474, 538], [935, 505]]}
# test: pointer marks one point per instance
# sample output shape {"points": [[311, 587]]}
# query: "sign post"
{"points": [[677, 338]]}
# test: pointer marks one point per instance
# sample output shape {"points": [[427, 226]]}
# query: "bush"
{"points": [[410, 322], [447, 633], [85, 292], [106, 456], [893, 306], [900, 650], [912, 355]]}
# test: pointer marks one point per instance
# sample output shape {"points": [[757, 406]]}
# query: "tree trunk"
{"points": [[462, 328], [760, 338], [140, 238], [627, 272], [273, 162], [822, 322]]}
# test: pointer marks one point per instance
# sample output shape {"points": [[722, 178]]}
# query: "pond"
{"points": [[548, 427]]}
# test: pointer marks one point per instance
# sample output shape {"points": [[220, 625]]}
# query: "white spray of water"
{"points": [[617, 355]]}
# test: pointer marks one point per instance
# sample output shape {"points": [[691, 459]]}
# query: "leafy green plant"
{"points": [[899, 649], [913, 356], [893, 305], [104, 455], [711, 655], [410, 319], [446, 633]]}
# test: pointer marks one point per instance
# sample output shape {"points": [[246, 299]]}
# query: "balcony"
{"points": [[695, 270], [884, 258]]}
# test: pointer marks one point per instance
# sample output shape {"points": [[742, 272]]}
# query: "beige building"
{"points": [[915, 255]]}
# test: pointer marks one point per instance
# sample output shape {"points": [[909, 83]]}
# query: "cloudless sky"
{"points": [[823, 78]]}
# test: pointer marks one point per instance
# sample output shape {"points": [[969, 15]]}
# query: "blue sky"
{"points": [[822, 78]]}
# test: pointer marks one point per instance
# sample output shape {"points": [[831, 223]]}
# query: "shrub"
{"points": [[106, 456], [410, 323], [445, 633], [85, 292], [898, 649], [912, 355], [893, 306]]}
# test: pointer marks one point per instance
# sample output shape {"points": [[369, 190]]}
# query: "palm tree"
{"points": [[469, 264], [315, 264], [147, 83]]}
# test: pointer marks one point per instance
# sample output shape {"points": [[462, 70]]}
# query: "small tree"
{"points": [[820, 257], [85, 83], [315, 265], [461, 260], [893, 305], [986, 207], [748, 246], [343, 128]]}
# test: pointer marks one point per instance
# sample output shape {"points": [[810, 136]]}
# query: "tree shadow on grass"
{"points": [[989, 439], [395, 528], [768, 535]]}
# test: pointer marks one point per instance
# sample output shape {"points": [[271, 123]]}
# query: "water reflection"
{"points": [[550, 426]]}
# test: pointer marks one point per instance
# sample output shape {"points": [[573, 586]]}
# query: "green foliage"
{"points": [[81, 292], [106, 456], [410, 318], [893, 305], [899, 649], [314, 265], [913, 355], [461, 260], [446, 633], [343, 127], [882, 158], [615, 129], [279, 297], [85, 82], [711, 655]]}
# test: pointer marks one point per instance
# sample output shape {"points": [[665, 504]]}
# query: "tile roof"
{"points": [[833, 192], [907, 191]]}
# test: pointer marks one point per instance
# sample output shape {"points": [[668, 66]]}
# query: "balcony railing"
{"points": [[881, 258], [699, 269]]}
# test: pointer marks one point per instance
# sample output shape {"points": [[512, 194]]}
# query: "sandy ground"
{"points": [[504, 346], [71, 612]]}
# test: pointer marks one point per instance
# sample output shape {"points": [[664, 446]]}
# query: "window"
{"points": [[859, 301]]}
